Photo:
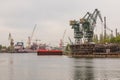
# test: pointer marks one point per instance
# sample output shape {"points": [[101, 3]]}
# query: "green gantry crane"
{"points": [[85, 27]]}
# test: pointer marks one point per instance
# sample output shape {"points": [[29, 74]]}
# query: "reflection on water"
{"points": [[96, 69], [33, 67], [83, 69]]}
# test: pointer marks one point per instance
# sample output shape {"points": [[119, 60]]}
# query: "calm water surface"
{"points": [[29, 66]]}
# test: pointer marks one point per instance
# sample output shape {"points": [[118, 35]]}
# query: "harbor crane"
{"points": [[89, 23], [85, 27], [30, 37], [78, 34]]}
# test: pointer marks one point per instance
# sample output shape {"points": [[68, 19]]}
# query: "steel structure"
{"points": [[85, 27], [78, 34]]}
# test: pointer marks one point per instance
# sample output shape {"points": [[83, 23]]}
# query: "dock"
{"points": [[93, 51]]}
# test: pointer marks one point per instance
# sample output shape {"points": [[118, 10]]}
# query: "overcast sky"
{"points": [[19, 17]]}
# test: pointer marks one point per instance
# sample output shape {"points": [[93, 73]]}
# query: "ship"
{"points": [[49, 50], [19, 48]]}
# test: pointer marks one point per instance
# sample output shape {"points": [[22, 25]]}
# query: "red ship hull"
{"points": [[49, 52]]}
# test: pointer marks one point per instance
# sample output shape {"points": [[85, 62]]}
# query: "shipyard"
{"points": [[84, 30], [85, 44], [59, 40]]}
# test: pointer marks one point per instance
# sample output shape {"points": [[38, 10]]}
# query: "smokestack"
{"points": [[116, 32], [104, 27]]}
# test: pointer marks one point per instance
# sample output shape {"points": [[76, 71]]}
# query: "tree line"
{"points": [[101, 39]]}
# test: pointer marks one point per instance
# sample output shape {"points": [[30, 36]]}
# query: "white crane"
{"points": [[62, 40], [30, 37]]}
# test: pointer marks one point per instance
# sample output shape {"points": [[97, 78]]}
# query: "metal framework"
{"points": [[85, 27]]}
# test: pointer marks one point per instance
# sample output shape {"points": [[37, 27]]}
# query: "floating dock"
{"points": [[93, 51], [97, 55]]}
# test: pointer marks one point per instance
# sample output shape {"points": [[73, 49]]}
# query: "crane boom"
{"points": [[70, 40], [62, 40], [33, 31], [30, 37], [95, 14], [89, 24]]}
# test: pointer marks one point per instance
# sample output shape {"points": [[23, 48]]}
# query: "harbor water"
{"points": [[29, 66]]}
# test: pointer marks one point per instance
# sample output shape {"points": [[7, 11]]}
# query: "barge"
{"points": [[49, 52], [93, 51]]}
